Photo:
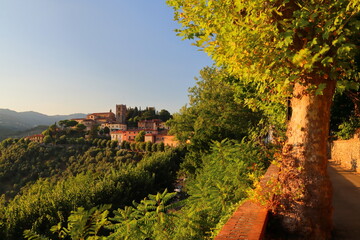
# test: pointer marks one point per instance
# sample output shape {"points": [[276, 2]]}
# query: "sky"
{"points": [[85, 56]]}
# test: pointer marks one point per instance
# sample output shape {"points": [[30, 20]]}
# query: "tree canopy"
{"points": [[274, 42], [295, 50], [213, 112]]}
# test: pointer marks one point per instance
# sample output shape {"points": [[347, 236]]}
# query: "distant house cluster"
{"points": [[155, 129], [155, 132], [106, 119], [36, 138]]}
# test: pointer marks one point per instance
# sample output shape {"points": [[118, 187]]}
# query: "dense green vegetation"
{"points": [[85, 176], [22, 161], [134, 115], [345, 114], [298, 52], [88, 178], [224, 180], [69, 187]]}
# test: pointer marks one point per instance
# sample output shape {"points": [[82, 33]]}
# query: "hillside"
{"points": [[14, 123]]}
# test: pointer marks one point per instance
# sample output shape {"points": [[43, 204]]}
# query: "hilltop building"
{"points": [[36, 138], [87, 122], [155, 129], [97, 119], [149, 124], [106, 117], [168, 140], [155, 132], [121, 113], [114, 126]]}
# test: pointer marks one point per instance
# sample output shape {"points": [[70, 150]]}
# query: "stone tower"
{"points": [[121, 113]]}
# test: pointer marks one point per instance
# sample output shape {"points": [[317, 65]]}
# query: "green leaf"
{"points": [[320, 88], [327, 61]]}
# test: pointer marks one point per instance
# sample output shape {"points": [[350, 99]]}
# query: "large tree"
{"points": [[296, 49], [213, 113]]}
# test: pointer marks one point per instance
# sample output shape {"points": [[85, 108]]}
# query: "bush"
{"points": [[348, 128]]}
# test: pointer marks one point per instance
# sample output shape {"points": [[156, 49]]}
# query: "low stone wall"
{"points": [[346, 153], [250, 219]]}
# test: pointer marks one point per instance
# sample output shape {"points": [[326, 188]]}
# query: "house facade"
{"points": [[149, 124], [36, 138], [106, 117], [114, 126]]}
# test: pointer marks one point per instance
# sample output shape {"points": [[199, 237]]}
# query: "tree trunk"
{"points": [[305, 203]]}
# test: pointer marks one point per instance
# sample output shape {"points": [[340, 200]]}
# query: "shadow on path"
{"points": [[346, 203]]}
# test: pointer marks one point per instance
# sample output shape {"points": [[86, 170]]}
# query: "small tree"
{"points": [[154, 147], [80, 127], [106, 130], [47, 139], [164, 115], [140, 137], [133, 146], [93, 132], [123, 145], [142, 146], [161, 147], [103, 143], [114, 144], [127, 145], [148, 146]]}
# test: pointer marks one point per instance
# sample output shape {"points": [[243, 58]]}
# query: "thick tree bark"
{"points": [[305, 203]]}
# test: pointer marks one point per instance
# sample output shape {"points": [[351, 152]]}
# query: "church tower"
{"points": [[121, 113]]}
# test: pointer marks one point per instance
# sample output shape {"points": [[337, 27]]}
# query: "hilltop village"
{"points": [[155, 129], [116, 125]]}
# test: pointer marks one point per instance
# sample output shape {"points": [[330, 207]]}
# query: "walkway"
{"points": [[346, 203]]}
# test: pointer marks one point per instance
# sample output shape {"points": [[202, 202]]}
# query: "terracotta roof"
{"points": [[36, 135], [79, 119], [105, 113]]}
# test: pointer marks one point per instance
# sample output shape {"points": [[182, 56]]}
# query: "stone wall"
{"points": [[250, 219], [346, 153]]}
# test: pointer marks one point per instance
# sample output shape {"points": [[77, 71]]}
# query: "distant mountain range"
{"points": [[15, 124]]}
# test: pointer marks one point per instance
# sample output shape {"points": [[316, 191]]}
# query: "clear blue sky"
{"points": [[70, 56]]}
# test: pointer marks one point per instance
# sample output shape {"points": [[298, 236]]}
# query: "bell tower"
{"points": [[121, 113]]}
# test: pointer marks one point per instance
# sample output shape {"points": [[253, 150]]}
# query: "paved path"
{"points": [[346, 203]]}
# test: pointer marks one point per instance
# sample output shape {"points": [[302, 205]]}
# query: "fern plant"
{"points": [[151, 218], [82, 224]]}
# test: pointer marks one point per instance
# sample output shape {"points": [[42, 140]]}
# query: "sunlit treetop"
{"points": [[276, 42]]}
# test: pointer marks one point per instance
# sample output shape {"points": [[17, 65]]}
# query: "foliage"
{"points": [[214, 113], [93, 176], [164, 115], [134, 115], [345, 114], [151, 218], [288, 50], [227, 173], [140, 137], [274, 42], [348, 128], [82, 224]]}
